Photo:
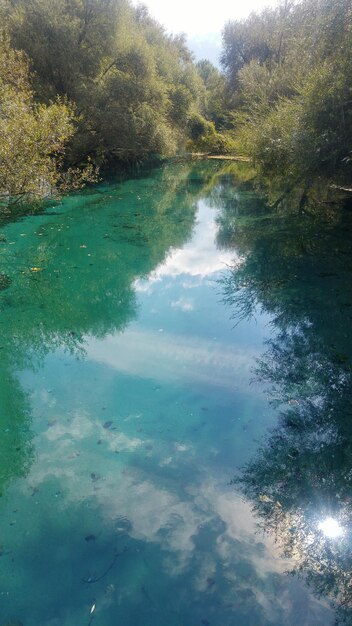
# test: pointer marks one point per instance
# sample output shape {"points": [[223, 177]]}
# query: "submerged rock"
{"points": [[5, 281]]}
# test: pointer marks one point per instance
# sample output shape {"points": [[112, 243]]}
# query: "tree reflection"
{"points": [[297, 266], [70, 274]]}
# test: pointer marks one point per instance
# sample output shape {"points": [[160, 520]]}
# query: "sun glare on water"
{"points": [[331, 528]]}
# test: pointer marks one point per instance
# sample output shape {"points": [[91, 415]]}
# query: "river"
{"points": [[175, 406]]}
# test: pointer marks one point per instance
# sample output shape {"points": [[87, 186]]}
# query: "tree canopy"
{"points": [[101, 82], [133, 85], [32, 135], [288, 75]]}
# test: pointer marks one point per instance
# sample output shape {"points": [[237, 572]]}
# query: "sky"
{"points": [[201, 21]]}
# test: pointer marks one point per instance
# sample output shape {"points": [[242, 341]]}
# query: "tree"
{"points": [[32, 136], [215, 105], [288, 73], [134, 87]]}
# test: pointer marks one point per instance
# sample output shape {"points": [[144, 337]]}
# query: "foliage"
{"points": [[247, 40], [134, 87], [215, 106], [288, 74], [32, 136], [87, 83], [204, 137]]}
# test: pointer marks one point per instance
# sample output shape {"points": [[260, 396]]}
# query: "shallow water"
{"points": [[129, 402]]}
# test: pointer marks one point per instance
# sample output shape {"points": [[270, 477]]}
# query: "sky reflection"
{"points": [[135, 444], [200, 257]]}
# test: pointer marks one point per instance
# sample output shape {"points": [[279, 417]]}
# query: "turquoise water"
{"points": [[132, 319]]}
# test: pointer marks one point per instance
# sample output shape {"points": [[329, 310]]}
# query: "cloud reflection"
{"points": [[168, 357], [200, 258], [204, 531]]}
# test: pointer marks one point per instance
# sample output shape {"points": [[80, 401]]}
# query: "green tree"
{"points": [[134, 87], [288, 73], [32, 136], [215, 105]]}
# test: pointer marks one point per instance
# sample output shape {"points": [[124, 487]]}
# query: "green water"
{"points": [[145, 326]]}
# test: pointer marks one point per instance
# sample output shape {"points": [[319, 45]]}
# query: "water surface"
{"points": [[129, 402]]}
